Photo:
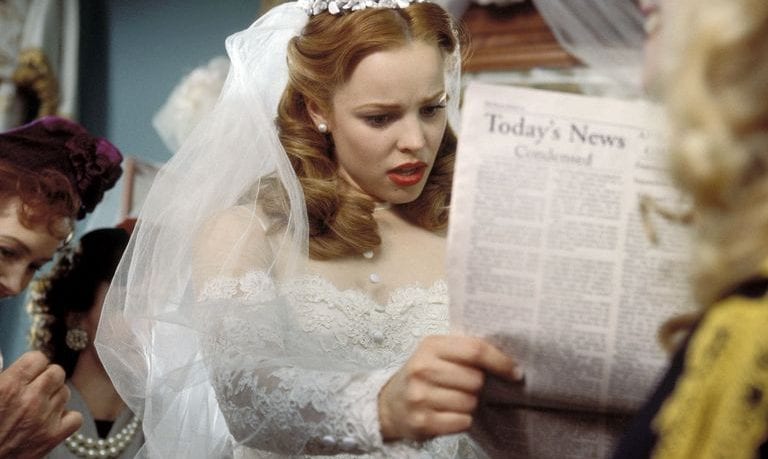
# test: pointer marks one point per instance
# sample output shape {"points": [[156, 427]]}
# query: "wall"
{"points": [[133, 53], [148, 47]]}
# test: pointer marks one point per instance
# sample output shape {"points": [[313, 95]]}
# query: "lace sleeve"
{"points": [[278, 387], [277, 394]]}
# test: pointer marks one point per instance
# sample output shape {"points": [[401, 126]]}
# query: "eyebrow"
{"points": [[441, 94], [21, 246], [24, 249]]}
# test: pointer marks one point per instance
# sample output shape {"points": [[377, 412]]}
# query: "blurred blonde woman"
{"points": [[713, 401]]}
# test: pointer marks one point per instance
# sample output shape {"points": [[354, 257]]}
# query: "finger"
{"points": [[481, 354], [59, 399], [443, 423], [453, 401], [49, 381], [70, 422], [451, 375], [28, 367]]}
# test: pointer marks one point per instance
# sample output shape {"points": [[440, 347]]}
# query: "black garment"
{"points": [[103, 427], [639, 439]]}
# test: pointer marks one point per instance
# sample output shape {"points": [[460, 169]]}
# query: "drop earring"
{"points": [[322, 127]]}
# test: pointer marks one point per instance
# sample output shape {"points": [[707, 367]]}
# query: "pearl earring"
{"points": [[322, 127], [76, 338]]}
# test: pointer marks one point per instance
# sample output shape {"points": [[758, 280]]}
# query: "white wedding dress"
{"points": [[298, 363], [222, 335]]}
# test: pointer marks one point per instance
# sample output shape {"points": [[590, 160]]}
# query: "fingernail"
{"points": [[518, 374]]}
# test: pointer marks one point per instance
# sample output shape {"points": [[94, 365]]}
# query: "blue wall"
{"points": [[148, 47], [133, 53]]}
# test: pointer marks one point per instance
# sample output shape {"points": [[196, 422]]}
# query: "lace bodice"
{"points": [[304, 379], [351, 326]]}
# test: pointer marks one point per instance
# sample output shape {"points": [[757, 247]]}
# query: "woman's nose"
{"points": [[13, 281], [412, 137]]}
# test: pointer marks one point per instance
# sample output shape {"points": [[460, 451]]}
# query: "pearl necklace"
{"points": [[110, 447]]}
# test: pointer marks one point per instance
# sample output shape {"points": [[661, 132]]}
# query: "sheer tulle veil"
{"points": [[605, 35], [150, 332], [147, 340]]}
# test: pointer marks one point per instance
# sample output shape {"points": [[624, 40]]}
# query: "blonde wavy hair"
{"points": [[717, 95], [321, 59]]}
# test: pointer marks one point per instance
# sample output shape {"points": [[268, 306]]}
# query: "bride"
{"points": [[283, 294]]}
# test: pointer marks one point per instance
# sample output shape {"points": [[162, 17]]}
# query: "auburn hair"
{"points": [[320, 60], [47, 197]]}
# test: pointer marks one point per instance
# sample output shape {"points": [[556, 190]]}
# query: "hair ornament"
{"points": [[91, 164], [314, 7]]}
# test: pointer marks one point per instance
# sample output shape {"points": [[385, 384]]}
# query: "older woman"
{"points": [[52, 172]]}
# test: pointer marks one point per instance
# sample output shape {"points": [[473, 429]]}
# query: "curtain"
{"points": [[39, 42]]}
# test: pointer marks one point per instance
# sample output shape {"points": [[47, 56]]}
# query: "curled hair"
{"points": [[53, 143], [70, 288], [340, 218], [47, 197], [717, 92]]}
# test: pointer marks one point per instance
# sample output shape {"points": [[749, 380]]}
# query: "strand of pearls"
{"points": [[110, 447]]}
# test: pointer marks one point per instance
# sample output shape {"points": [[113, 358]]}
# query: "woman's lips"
{"points": [[408, 174]]}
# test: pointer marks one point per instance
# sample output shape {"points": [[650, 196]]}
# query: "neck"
{"points": [[94, 385]]}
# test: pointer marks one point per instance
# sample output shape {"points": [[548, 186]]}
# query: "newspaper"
{"points": [[556, 253]]}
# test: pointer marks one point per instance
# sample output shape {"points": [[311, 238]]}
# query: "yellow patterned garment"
{"points": [[719, 407]]}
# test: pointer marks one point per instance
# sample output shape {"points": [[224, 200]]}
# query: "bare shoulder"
{"points": [[233, 241], [235, 220]]}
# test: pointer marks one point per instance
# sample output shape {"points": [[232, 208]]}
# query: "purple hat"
{"points": [[92, 164]]}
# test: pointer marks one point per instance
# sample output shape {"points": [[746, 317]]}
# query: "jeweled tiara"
{"points": [[313, 7]]}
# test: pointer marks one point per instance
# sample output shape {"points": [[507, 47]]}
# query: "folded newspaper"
{"points": [[563, 250]]}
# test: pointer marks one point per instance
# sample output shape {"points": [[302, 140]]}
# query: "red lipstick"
{"points": [[407, 174]]}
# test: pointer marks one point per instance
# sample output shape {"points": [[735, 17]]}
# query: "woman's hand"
{"points": [[33, 418], [436, 391]]}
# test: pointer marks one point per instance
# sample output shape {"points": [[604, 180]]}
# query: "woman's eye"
{"points": [[378, 120], [34, 267], [432, 110], [7, 253]]}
